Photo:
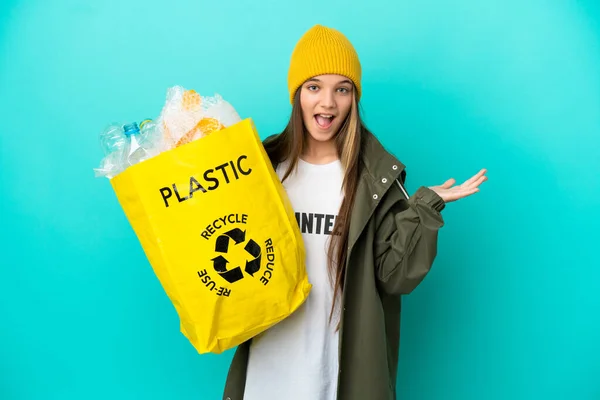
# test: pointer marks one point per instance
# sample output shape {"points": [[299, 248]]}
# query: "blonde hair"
{"points": [[288, 146]]}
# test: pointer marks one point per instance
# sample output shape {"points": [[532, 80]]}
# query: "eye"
{"points": [[312, 87], [344, 90]]}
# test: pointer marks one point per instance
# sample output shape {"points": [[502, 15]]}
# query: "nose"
{"points": [[327, 99]]}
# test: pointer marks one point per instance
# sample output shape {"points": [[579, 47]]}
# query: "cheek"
{"points": [[345, 105], [306, 104]]}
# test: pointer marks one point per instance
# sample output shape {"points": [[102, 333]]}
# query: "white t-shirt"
{"points": [[297, 359]]}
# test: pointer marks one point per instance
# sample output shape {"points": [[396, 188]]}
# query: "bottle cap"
{"points": [[131, 129]]}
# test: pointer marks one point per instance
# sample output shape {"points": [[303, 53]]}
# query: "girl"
{"points": [[367, 242]]}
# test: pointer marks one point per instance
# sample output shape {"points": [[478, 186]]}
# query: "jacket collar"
{"points": [[378, 162], [380, 170]]}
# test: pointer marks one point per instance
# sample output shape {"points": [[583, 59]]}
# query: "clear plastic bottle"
{"points": [[112, 139], [129, 144], [114, 143], [135, 152]]}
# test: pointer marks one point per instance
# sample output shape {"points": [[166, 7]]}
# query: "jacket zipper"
{"points": [[402, 189]]}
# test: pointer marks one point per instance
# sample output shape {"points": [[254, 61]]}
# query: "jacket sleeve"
{"points": [[406, 239]]}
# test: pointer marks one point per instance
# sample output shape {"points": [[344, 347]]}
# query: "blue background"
{"points": [[511, 309]]}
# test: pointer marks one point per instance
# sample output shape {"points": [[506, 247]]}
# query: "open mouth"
{"points": [[324, 121]]}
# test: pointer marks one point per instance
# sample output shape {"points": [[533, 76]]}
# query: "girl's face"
{"points": [[326, 101]]}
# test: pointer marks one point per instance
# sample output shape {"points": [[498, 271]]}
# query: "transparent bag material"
{"points": [[186, 116]]}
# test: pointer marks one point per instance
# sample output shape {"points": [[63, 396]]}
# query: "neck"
{"points": [[316, 152]]}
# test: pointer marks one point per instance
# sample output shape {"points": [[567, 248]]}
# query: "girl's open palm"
{"points": [[452, 193]]}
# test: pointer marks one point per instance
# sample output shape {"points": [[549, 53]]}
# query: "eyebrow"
{"points": [[339, 83]]}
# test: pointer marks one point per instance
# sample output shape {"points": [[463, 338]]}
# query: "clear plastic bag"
{"points": [[185, 116]]}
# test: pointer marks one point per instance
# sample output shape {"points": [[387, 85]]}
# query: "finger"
{"points": [[474, 178], [448, 184], [480, 181], [477, 182], [461, 194]]}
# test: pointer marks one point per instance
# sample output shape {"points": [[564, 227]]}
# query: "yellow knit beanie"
{"points": [[322, 50]]}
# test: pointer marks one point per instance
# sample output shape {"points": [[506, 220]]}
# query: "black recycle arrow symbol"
{"points": [[222, 244], [220, 265], [253, 249]]}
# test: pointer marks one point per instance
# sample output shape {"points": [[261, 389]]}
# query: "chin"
{"points": [[321, 136]]}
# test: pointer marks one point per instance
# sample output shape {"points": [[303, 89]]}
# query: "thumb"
{"points": [[448, 184]]}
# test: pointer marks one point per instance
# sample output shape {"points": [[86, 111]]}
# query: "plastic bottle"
{"points": [[114, 143], [135, 152], [112, 139], [129, 144]]}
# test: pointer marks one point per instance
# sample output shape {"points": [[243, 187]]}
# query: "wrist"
{"points": [[430, 197]]}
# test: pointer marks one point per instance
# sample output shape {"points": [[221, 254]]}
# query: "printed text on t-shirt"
{"points": [[319, 224]]}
